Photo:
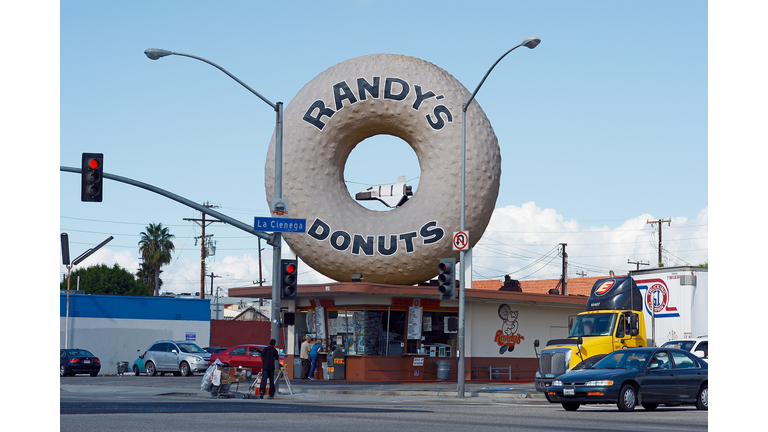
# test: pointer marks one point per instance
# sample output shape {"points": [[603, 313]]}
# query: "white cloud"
{"points": [[523, 242]]}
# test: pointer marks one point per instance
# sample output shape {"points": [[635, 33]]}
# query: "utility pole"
{"points": [[638, 263], [212, 276], [565, 269], [660, 221], [202, 247]]}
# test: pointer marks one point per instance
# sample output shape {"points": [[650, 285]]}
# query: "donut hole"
{"points": [[379, 161]]}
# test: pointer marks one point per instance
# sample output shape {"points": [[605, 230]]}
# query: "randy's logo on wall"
{"points": [[507, 337]]}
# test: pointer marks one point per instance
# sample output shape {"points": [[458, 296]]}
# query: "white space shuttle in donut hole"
{"points": [[392, 196]]}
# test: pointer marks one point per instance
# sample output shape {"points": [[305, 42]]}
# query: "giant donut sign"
{"points": [[417, 102]]}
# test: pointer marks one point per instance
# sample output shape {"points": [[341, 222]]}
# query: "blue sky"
{"points": [[601, 127]]}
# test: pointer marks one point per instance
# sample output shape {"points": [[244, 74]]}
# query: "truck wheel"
{"points": [[702, 400], [627, 398], [571, 406], [151, 371]]}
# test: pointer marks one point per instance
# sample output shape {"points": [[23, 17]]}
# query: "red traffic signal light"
{"points": [[288, 286], [91, 177]]}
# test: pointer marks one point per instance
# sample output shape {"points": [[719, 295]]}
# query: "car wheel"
{"points": [[702, 400], [151, 371], [650, 406], [627, 398], [62, 370], [184, 369], [571, 406], [136, 370]]}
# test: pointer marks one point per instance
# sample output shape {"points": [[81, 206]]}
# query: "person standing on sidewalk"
{"points": [[313, 357], [269, 359], [306, 346]]}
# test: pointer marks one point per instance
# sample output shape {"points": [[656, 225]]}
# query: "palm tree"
{"points": [[147, 276], [155, 247]]}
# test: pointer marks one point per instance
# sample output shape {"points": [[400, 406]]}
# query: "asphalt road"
{"points": [[178, 404]]}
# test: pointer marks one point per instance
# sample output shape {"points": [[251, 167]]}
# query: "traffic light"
{"points": [[92, 177], [288, 270], [446, 279]]}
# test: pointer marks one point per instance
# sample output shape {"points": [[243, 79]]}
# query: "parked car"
{"points": [[178, 357], [248, 355], [698, 346], [138, 366], [78, 361], [627, 377], [214, 350]]}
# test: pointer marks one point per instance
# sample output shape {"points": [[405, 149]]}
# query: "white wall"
{"points": [[113, 340]]}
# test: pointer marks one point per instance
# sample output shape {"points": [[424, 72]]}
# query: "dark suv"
{"points": [[179, 357]]}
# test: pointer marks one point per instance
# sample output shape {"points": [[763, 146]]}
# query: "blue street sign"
{"points": [[279, 224]]}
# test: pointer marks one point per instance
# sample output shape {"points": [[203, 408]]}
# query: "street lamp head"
{"points": [[156, 53], [531, 42]]}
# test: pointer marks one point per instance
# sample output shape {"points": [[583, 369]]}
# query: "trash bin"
{"points": [[296, 368], [325, 371], [122, 367], [443, 369]]}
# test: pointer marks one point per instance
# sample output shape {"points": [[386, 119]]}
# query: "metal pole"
{"points": [[66, 321], [531, 43], [156, 53], [277, 246], [460, 386]]}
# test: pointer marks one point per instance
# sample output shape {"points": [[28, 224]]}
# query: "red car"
{"points": [[244, 355]]}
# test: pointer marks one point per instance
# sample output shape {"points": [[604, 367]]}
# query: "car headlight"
{"points": [[557, 383], [600, 383], [537, 375], [198, 359]]}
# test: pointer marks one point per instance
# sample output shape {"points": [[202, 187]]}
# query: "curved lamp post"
{"points": [[531, 43], [157, 53]]}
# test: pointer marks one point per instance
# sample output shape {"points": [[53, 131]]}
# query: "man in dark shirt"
{"points": [[269, 357]]}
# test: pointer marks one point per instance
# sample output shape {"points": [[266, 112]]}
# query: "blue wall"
{"points": [[129, 307]]}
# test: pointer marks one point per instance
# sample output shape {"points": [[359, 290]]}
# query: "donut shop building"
{"points": [[401, 332]]}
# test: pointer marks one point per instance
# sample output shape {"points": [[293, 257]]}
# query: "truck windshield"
{"points": [[593, 325]]}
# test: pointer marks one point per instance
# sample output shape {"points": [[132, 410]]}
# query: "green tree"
{"points": [[155, 247], [102, 279]]}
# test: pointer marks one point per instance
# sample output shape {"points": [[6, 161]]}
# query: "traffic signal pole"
{"points": [[224, 218]]}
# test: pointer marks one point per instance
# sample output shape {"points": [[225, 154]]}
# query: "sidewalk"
{"points": [[522, 392]]}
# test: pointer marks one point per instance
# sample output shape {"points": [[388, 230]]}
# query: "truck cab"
{"points": [[613, 320]]}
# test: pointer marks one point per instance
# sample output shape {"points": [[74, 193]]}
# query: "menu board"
{"points": [[414, 323]]}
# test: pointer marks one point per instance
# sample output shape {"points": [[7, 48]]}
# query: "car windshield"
{"points": [[593, 325], [683, 345], [191, 348], [80, 353], [623, 360]]}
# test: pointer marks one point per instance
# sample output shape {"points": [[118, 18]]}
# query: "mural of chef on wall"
{"points": [[507, 337]]}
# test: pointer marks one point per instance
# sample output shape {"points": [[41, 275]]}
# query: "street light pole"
{"points": [[156, 53], [531, 43]]}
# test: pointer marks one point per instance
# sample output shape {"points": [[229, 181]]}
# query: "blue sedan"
{"points": [[636, 376]]}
